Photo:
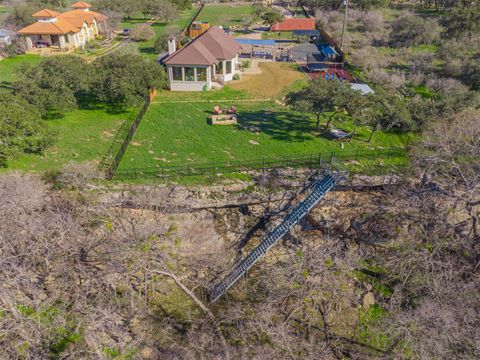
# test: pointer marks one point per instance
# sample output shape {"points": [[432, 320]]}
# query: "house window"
{"points": [[228, 66], [177, 73], [189, 74], [201, 74], [220, 67]]}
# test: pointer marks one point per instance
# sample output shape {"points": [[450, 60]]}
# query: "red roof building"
{"points": [[66, 30], [294, 24]]}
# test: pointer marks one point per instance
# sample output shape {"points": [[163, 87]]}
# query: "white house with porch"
{"points": [[63, 31], [210, 58]]}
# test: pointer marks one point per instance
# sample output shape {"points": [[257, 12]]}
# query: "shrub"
{"points": [[392, 80], [161, 43], [142, 32], [368, 57], [411, 30], [21, 129], [446, 86], [245, 64], [236, 77], [372, 21]]}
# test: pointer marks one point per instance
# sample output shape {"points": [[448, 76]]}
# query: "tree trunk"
{"points": [[371, 135], [199, 303], [330, 119], [354, 132]]}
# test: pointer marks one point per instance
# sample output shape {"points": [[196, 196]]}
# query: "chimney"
{"points": [[172, 45]]}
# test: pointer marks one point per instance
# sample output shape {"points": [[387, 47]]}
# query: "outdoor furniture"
{"points": [[227, 119], [338, 134]]}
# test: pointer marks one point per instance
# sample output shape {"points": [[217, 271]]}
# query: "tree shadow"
{"points": [[147, 50], [280, 125], [6, 85], [88, 102]]}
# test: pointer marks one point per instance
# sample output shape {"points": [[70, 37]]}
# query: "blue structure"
{"points": [[328, 51], [320, 188], [311, 33], [256, 42]]}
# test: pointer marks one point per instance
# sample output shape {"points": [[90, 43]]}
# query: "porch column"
{"points": [[61, 40], [29, 42], [209, 78]]}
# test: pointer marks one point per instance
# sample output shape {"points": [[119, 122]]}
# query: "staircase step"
{"points": [[320, 189]]}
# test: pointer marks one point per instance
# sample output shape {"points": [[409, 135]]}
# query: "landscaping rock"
{"points": [[368, 300], [254, 142]]}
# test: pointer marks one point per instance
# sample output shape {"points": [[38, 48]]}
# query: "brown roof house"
{"points": [[210, 58], [68, 30]]}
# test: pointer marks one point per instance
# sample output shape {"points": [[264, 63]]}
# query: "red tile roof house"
{"points": [[294, 24], [209, 58], [68, 30]]}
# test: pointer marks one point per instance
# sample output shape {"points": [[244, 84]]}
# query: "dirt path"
{"points": [[272, 79]]}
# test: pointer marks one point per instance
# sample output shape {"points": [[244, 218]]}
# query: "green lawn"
{"points": [[178, 134], [277, 35], [81, 135], [146, 47], [5, 9], [9, 69], [226, 15]]}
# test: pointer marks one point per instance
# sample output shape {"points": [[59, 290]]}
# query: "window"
{"points": [[220, 68], [177, 73], [229, 66], [189, 74], [201, 74]]}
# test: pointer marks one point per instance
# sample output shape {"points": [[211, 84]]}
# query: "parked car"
{"points": [[42, 44], [125, 32]]}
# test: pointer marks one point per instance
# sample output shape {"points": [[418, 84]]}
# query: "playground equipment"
{"points": [[330, 175]]}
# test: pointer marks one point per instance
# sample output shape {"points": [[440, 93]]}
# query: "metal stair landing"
{"points": [[320, 188]]}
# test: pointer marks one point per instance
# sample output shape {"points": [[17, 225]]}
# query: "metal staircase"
{"points": [[320, 188]]}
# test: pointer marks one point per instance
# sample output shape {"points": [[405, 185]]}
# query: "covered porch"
{"points": [[201, 78], [53, 42]]}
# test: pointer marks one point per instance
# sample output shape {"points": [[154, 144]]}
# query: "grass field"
{"points": [[5, 9], [275, 80], [146, 47], [9, 69], [175, 130], [81, 135], [226, 15], [178, 134], [277, 35]]}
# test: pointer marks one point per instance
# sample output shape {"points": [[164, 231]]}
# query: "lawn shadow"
{"points": [[88, 102], [6, 85], [280, 125], [147, 50]]}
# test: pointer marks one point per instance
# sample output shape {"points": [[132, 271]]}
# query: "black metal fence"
{"points": [[214, 168], [119, 147]]}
